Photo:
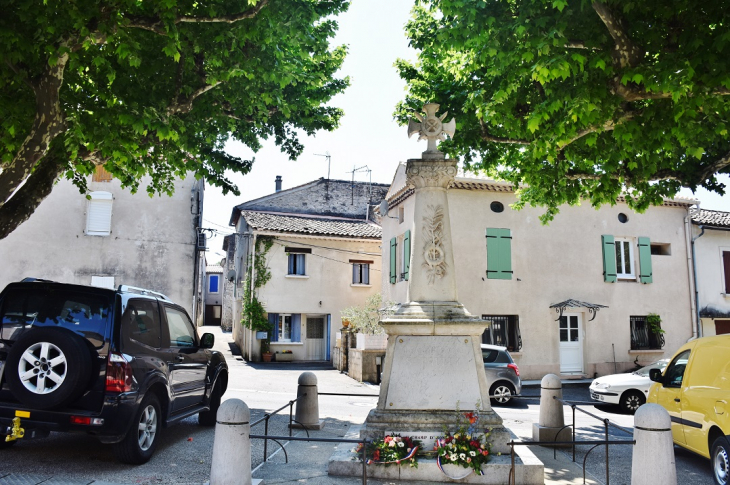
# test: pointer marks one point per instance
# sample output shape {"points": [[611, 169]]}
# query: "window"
{"points": [[400, 263], [99, 214], [642, 338], [182, 332], [141, 322], [296, 264], [675, 370], [286, 327], [297, 260], [726, 268], [499, 254], [213, 281], [101, 175], [503, 330], [619, 260], [393, 260], [722, 327], [360, 272], [401, 214], [405, 267]]}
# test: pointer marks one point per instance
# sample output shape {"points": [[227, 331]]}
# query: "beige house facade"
{"points": [[322, 251], [711, 241], [570, 298], [115, 238]]}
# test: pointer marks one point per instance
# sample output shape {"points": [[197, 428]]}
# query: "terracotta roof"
{"points": [[319, 226], [712, 218]]}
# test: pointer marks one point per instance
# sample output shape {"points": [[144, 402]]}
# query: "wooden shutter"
{"points": [[726, 266], [274, 322], [499, 254], [393, 255], [609, 258], [645, 275], [296, 327], [407, 253]]}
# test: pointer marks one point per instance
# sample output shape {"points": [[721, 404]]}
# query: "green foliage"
{"points": [[366, 319], [654, 321], [253, 312], [158, 88], [577, 100]]}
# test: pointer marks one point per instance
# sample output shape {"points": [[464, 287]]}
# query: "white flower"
{"points": [[462, 456], [391, 444], [453, 457], [471, 453], [400, 444]]}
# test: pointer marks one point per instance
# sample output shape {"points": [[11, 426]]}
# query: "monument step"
{"points": [[529, 470]]}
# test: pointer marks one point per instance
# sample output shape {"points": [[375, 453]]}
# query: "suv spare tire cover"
{"points": [[48, 367]]}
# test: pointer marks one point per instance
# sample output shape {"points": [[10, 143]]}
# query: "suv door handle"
{"points": [[180, 358]]}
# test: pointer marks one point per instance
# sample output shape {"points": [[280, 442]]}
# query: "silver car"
{"points": [[503, 375]]}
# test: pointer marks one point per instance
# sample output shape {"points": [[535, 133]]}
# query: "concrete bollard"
{"points": [[552, 420], [231, 463], [653, 457], [307, 405]]}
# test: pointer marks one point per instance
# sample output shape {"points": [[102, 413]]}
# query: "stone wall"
{"points": [[362, 365]]}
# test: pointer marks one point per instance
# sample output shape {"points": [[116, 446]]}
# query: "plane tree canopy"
{"points": [[156, 88], [578, 100]]}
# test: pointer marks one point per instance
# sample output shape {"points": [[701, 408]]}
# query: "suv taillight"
{"points": [[118, 374], [516, 369]]}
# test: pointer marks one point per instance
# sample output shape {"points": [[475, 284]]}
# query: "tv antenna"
{"points": [[364, 168], [329, 161]]}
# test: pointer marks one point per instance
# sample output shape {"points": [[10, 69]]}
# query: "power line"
{"points": [[331, 249], [335, 260]]}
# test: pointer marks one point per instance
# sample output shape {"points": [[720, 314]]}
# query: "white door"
{"points": [[315, 338], [571, 344]]}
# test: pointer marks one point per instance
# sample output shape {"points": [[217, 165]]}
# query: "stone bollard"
{"points": [[653, 457], [552, 421], [231, 464], [307, 406]]}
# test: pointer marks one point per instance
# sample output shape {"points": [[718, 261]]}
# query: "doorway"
{"points": [[571, 344], [315, 338], [212, 315]]}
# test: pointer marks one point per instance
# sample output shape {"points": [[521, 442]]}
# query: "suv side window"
{"points": [[675, 371], [141, 322], [182, 332]]}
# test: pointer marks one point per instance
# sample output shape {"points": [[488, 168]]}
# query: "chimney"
{"points": [[278, 183]]}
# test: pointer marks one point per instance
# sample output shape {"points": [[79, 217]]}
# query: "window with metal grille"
{"points": [[315, 327], [503, 330], [642, 338]]}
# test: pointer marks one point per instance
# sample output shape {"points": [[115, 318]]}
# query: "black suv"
{"points": [[116, 364]]}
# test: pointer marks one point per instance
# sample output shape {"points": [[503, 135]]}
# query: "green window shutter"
{"points": [[645, 275], [499, 254], [609, 258], [393, 256], [407, 253]]}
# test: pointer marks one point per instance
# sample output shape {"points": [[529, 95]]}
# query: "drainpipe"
{"points": [[694, 302]]}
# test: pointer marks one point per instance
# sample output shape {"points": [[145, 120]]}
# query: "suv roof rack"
{"points": [[30, 280], [141, 291]]}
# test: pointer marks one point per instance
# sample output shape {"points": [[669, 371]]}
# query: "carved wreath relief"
{"points": [[433, 251]]}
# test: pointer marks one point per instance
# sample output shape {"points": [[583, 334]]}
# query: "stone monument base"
{"points": [[546, 433]]}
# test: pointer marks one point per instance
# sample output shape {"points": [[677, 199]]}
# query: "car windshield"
{"points": [[660, 364]]}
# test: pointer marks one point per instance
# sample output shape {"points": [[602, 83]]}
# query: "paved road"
{"points": [[185, 450]]}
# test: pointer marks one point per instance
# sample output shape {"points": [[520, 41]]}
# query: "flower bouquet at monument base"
{"points": [[393, 450], [466, 447]]}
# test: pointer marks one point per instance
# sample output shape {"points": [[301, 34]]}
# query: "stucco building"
{"points": [[323, 256], [711, 241], [569, 298], [115, 238]]}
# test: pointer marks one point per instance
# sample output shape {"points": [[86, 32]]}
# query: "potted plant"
{"points": [[266, 350], [656, 337], [285, 356]]}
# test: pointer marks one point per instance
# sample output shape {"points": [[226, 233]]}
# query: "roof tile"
{"points": [[320, 226]]}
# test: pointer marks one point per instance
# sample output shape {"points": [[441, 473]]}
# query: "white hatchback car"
{"points": [[628, 390]]}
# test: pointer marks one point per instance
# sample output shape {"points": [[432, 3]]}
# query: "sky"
{"points": [[368, 139]]}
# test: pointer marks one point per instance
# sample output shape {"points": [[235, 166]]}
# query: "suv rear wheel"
{"points": [[48, 367], [141, 441]]}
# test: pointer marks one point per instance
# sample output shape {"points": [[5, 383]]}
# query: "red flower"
{"points": [[475, 444], [376, 455], [471, 417]]}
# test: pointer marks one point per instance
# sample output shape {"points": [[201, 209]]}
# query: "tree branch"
{"points": [[625, 52], [486, 136], [155, 24], [607, 126], [186, 105]]}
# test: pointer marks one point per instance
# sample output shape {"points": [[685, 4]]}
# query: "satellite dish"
{"points": [[232, 275], [384, 208]]}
